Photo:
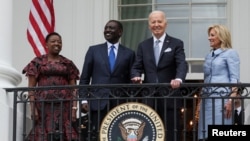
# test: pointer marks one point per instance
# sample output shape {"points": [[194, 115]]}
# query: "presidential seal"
{"points": [[132, 121]]}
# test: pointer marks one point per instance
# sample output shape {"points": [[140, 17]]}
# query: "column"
{"points": [[9, 77]]}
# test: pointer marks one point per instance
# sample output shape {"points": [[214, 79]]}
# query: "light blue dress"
{"points": [[223, 67]]}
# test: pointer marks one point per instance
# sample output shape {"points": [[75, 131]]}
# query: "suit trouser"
{"points": [[96, 120], [171, 117]]}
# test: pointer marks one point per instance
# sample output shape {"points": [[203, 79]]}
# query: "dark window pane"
{"points": [[135, 12], [134, 32], [135, 1]]}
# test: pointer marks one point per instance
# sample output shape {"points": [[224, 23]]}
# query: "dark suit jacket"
{"points": [[171, 65], [96, 70], [238, 118]]}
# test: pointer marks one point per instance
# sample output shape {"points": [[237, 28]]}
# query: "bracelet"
{"points": [[74, 108]]}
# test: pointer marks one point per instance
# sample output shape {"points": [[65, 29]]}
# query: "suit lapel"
{"points": [[150, 48], [118, 57], [164, 46], [104, 53]]}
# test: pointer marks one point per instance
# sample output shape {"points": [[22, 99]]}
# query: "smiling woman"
{"points": [[222, 65], [52, 69], [54, 45]]}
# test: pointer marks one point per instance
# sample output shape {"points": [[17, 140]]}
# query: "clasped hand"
{"points": [[228, 109]]}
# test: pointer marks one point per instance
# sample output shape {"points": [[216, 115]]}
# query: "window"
{"points": [[188, 20]]}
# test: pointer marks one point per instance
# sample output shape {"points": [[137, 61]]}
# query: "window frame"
{"points": [[116, 14]]}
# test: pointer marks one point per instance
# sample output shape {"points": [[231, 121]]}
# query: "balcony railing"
{"points": [[129, 100]]}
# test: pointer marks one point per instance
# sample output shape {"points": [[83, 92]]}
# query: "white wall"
{"points": [[80, 22], [240, 21]]}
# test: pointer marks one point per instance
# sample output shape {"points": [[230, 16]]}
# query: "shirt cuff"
{"points": [[84, 101], [178, 79]]}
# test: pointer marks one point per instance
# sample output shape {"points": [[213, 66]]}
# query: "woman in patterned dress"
{"points": [[51, 109]]}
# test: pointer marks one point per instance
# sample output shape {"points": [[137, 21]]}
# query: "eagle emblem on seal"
{"points": [[132, 129]]}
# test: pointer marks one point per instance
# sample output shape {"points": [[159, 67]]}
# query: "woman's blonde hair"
{"points": [[223, 35]]}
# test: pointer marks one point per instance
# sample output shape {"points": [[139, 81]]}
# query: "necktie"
{"points": [[213, 54], [157, 51], [112, 58]]}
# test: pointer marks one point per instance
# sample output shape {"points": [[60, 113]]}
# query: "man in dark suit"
{"points": [[166, 65], [96, 70], [238, 114]]}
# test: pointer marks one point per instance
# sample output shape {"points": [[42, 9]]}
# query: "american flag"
{"points": [[41, 22]]}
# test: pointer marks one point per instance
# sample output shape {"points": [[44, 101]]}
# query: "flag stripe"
{"points": [[42, 13], [34, 46], [41, 22], [35, 16], [36, 30], [37, 37], [52, 14]]}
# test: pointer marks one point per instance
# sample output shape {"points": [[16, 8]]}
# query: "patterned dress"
{"points": [[53, 116]]}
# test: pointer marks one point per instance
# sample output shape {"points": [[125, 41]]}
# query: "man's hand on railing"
{"points": [[85, 107], [175, 83], [136, 80]]}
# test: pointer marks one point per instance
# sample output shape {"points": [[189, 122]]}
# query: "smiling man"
{"points": [[162, 59], [106, 63]]}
